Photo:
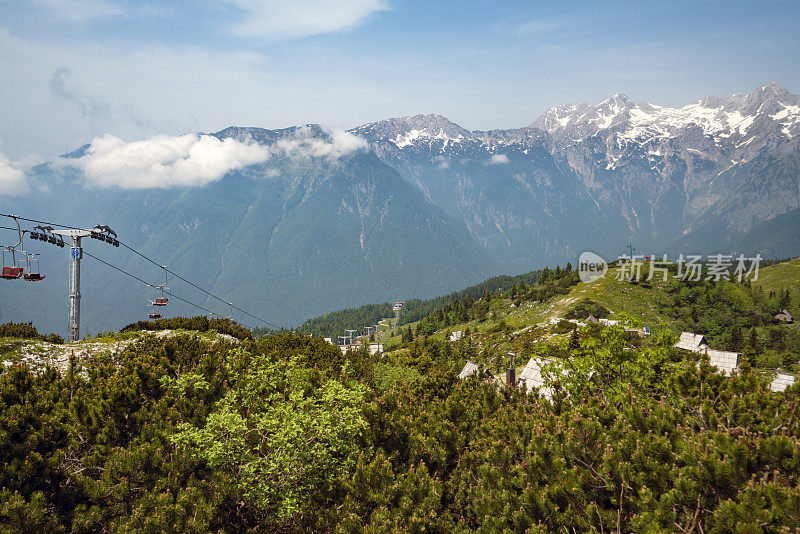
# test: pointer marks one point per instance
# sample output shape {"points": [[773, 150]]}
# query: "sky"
{"points": [[72, 71]]}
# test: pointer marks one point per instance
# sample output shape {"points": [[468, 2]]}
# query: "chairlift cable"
{"points": [[39, 222], [176, 275], [147, 283]]}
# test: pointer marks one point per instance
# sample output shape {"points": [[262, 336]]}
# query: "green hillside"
{"points": [[335, 323], [188, 425], [521, 323]]}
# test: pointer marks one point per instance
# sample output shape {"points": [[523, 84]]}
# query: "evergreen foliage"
{"points": [[585, 308], [334, 323], [284, 433], [200, 323], [735, 316], [27, 331]]}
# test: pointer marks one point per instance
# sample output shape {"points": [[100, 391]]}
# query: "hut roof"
{"points": [[531, 376], [469, 368], [692, 342], [781, 382], [723, 360]]}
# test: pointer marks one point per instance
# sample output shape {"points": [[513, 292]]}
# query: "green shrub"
{"points": [[586, 307], [200, 323], [563, 326], [27, 331]]}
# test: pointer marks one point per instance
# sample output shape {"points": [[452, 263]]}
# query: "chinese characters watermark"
{"points": [[688, 268]]}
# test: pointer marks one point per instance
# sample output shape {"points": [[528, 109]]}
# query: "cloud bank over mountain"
{"points": [[163, 161], [12, 178], [335, 144], [190, 160]]}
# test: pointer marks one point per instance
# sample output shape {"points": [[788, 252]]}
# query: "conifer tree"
{"points": [[574, 341], [736, 339], [753, 342], [785, 299]]}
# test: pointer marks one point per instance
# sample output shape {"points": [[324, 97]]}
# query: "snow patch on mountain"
{"points": [[408, 138], [718, 118]]}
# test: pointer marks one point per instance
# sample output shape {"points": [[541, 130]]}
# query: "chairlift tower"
{"points": [[76, 255], [350, 334]]}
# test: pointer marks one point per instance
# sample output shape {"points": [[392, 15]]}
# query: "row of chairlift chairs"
{"points": [[20, 264], [15, 267]]}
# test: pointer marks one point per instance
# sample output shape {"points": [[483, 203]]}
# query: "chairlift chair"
{"points": [[153, 314], [158, 292], [32, 275], [12, 271]]}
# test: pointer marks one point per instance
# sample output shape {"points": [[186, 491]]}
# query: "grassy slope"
{"points": [[782, 276], [533, 322]]}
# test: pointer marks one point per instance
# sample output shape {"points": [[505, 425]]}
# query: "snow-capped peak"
{"points": [[404, 131], [719, 118], [582, 119]]}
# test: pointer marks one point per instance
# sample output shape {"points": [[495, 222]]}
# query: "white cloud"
{"points": [[164, 161], [12, 178], [153, 89], [498, 159], [305, 144], [279, 19]]}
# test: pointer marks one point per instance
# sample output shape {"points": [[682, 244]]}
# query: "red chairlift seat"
{"points": [[155, 315], [11, 273], [160, 301]]}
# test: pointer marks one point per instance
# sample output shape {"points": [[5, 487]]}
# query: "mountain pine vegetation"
{"points": [[285, 433]]}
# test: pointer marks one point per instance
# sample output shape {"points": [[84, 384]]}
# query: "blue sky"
{"points": [[75, 69]]}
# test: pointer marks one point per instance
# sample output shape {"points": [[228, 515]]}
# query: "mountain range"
{"points": [[420, 206]]}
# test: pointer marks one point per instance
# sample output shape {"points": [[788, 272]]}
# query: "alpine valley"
{"points": [[420, 206]]}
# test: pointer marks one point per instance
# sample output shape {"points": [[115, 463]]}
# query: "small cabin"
{"points": [[531, 376], [692, 342], [469, 369], [726, 362], [781, 382]]}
